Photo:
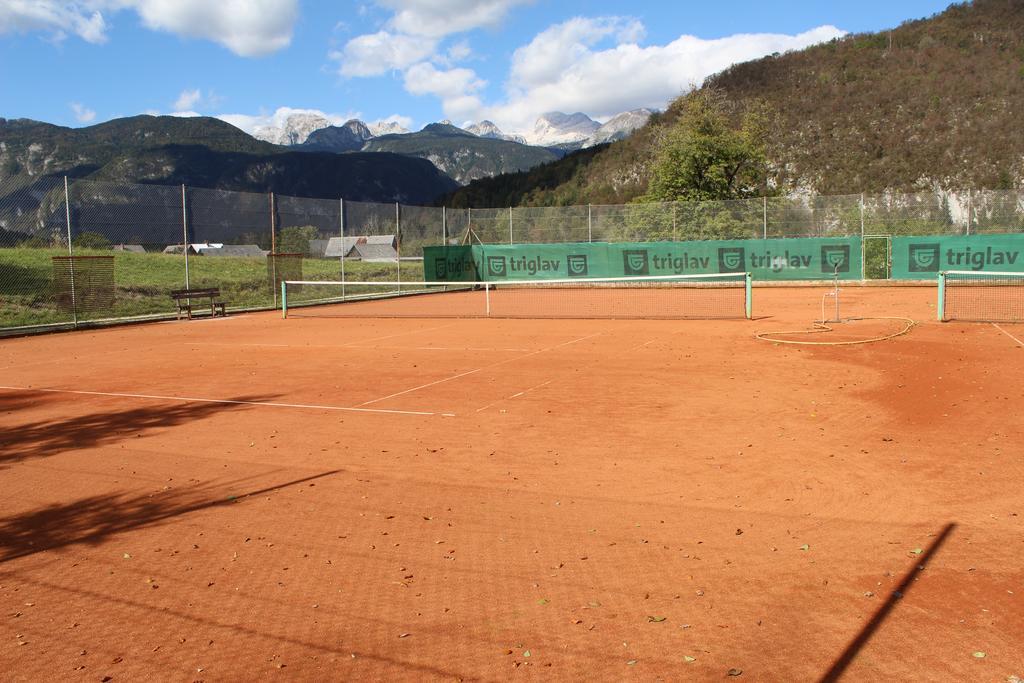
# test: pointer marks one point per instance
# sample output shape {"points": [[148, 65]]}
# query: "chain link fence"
{"points": [[74, 252]]}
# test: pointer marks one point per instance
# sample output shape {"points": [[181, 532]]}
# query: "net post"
{"points": [[341, 222], [487, 297], [748, 298], [284, 299], [942, 297]]}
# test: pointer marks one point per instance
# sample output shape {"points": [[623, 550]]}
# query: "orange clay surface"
{"points": [[418, 499]]}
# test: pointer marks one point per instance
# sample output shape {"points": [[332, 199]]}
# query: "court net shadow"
{"points": [[861, 639], [93, 519], [44, 438]]}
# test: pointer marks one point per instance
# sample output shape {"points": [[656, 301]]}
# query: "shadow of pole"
{"points": [[91, 520], [46, 437], [857, 644]]}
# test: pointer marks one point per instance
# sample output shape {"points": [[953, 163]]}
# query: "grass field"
{"points": [[143, 282]]}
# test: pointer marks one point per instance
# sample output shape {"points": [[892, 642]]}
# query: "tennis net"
{"points": [[981, 296], [725, 295]]}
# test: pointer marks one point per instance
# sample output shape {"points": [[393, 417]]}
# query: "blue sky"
{"points": [[80, 62]]}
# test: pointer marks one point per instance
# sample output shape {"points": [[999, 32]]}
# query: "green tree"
{"points": [[711, 153], [91, 240], [296, 240]]}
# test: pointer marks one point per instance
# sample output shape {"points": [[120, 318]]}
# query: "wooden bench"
{"points": [[183, 297]]}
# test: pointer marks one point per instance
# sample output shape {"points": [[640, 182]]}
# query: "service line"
{"points": [[475, 370], [517, 395]]}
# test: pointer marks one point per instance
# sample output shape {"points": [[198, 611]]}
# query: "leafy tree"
{"points": [[91, 240], [710, 155], [296, 240]]}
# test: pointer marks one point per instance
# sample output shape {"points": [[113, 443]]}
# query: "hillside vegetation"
{"points": [[933, 103]]}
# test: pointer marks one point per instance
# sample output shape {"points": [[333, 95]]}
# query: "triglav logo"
{"points": [[496, 266], [835, 259], [924, 258], [731, 260], [441, 268], [577, 265], [634, 262]]}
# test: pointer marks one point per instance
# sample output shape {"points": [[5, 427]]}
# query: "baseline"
{"points": [[194, 399]]}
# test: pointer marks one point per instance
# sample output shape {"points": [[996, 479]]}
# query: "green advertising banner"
{"points": [[450, 264], [544, 261], [921, 258], [773, 259]]}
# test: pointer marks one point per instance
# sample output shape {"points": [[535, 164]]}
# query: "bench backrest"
{"points": [[195, 293]]}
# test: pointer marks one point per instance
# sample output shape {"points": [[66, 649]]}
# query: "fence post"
{"points": [[675, 224], [766, 216], [510, 226], [863, 244], [273, 249], [184, 231], [341, 221], [398, 243], [590, 224], [71, 253], [968, 229], [444, 226]]}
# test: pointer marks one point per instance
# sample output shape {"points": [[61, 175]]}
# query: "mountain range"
{"points": [[206, 152], [564, 132]]}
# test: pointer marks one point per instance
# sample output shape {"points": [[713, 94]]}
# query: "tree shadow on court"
{"points": [[844, 660], [45, 438], [92, 520]]}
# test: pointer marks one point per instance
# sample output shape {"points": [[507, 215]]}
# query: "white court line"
{"points": [[191, 399], [509, 398], [470, 372], [353, 346], [323, 346], [646, 343], [435, 348], [1008, 334]]}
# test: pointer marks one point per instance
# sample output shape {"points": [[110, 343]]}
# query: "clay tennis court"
{"points": [[325, 498]]}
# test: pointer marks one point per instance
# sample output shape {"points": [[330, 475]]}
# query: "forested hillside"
{"points": [[933, 103]]}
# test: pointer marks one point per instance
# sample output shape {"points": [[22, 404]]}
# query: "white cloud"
{"points": [[561, 46], [249, 28], [439, 18], [455, 87], [57, 17], [374, 54], [187, 99], [561, 71], [82, 113]]}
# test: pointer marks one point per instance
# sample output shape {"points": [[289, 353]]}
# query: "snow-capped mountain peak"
{"points": [[294, 131], [487, 129], [556, 128], [619, 127], [387, 128]]}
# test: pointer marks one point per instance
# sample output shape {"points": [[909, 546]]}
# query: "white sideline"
{"points": [[1019, 342], [192, 399]]}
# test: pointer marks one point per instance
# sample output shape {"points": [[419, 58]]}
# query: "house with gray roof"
{"points": [[364, 247]]}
